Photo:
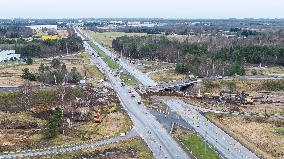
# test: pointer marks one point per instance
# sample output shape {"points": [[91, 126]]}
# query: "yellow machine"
{"points": [[249, 100], [50, 37]]}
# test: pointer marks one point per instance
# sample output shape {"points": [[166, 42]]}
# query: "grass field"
{"points": [[107, 37], [91, 69], [264, 137], [166, 76], [195, 144], [129, 80]]}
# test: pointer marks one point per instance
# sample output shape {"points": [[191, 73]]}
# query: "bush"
{"points": [[28, 75], [74, 76], [273, 85], [254, 72], [55, 63], [30, 61], [54, 124]]}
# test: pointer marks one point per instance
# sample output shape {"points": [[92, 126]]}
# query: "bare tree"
{"points": [[26, 95]]}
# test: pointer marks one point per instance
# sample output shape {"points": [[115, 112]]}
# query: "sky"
{"points": [[185, 9]]}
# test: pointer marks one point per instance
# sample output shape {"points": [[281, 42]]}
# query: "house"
{"points": [[8, 55]]}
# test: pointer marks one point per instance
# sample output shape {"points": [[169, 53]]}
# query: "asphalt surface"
{"points": [[67, 148], [160, 142], [222, 142], [143, 78]]}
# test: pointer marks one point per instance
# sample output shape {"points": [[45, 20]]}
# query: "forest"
{"points": [[201, 59], [49, 48]]}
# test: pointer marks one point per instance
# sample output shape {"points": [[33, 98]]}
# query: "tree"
{"points": [[41, 68], [28, 75], [54, 124], [55, 63], [74, 76], [30, 61], [236, 68], [26, 95], [254, 72]]}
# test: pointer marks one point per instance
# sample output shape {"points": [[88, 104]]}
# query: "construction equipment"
{"points": [[244, 98]]}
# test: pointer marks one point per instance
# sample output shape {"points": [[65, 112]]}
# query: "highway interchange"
{"points": [[158, 139], [221, 141]]}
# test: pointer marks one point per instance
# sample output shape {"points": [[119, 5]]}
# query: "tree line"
{"points": [[50, 48], [199, 58]]}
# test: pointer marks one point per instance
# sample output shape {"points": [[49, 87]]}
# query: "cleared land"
{"points": [[106, 38], [10, 75], [264, 137], [167, 76], [22, 129]]}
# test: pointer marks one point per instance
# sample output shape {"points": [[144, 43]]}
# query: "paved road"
{"points": [[157, 138], [226, 145], [143, 78], [222, 142], [168, 118], [257, 77], [67, 148]]}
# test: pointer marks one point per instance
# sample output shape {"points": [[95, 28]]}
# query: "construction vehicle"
{"points": [[244, 98], [249, 100]]}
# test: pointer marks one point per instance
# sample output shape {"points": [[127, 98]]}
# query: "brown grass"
{"points": [[258, 136]]}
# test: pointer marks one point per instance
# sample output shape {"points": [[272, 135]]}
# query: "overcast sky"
{"points": [[142, 8]]}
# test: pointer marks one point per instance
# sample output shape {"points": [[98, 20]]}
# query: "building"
{"points": [[8, 55], [36, 27]]}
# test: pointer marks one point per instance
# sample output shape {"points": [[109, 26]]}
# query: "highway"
{"points": [[160, 142], [222, 142], [143, 78]]}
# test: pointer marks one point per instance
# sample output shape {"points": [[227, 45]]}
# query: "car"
{"points": [[219, 77], [139, 102], [132, 94]]}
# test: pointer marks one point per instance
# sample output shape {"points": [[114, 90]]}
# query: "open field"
{"points": [[132, 148], [21, 128], [128, 79], [106, 38], [152, 66], [250, 86], [167, 76], [265, 71], [192, 142], [264, 137], [10, 76]]}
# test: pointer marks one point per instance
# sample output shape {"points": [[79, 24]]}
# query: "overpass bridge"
{"points": [[174, 86]]}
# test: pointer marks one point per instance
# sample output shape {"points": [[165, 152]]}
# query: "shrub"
{"points": [[54, 124], [254, 72], [30, 61], [28, 75]]}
